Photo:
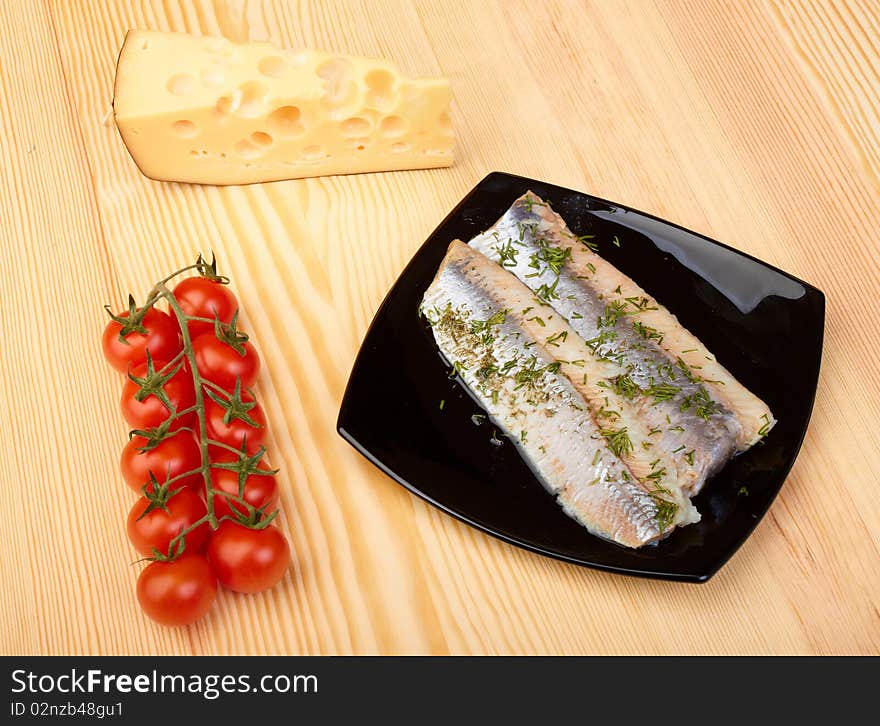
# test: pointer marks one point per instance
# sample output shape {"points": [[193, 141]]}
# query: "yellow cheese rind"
{"points": [[209, 111]]}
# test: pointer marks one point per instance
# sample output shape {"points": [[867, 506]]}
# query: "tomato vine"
{"points": [[246, 465]]}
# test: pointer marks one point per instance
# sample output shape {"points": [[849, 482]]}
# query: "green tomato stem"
{"points": [[183, 319]]}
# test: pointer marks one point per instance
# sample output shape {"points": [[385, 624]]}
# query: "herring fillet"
{"points": [[519, 383], [650, 464], [699, 413]]}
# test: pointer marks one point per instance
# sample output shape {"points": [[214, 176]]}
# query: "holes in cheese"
{"points": [[181, 84], [393, 126], [260, 113], [261, 138], [272, 66], [286, 122], [355, 126], [186, 129]]}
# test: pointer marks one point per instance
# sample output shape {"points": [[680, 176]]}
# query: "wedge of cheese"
{"points": [[209, 111]]}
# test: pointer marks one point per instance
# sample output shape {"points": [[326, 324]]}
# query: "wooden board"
{"points": [[753, 122]]}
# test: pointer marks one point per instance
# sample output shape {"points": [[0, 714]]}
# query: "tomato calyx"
{"points": [[176, 548], [256, 517], [156, 435], [153, 383], [230, 334], [246, 466], [208, 270], [157, 495], [133, 322], [234, 407]]}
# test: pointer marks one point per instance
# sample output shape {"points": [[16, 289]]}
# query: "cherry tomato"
{"points": [[161, 339], [171, 457], [237, 430], [177, 592], [260, 490], [151, 411], [204, 298], [248, 560], [159, 526], [220, 363]]}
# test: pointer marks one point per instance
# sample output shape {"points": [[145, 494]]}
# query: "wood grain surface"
{"points": [[757, 123]]}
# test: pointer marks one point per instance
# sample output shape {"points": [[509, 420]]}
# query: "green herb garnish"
{"points": [[618, 441]]}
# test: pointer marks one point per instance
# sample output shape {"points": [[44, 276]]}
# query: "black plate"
{"points": [[764, 326]]}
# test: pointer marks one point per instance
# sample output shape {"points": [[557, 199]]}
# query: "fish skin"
{"points": [[581, 293], [562, 443]]}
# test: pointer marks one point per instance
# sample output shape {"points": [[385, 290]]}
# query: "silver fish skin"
{"points": [[691, 424], [517, 380]]}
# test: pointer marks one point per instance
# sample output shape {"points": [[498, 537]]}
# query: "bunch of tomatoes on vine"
{"points": [[195, 454]]}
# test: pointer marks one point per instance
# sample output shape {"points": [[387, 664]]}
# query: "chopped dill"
{"points": [[618, 440], [667, 370], [616, 241], [507, 254], [640, 303], [665, 514], [704, 406], [647, 332], [504, 369], [553, 257], [587, 240], [548, 292], [662, 392], [624, 386], [485, 326], [613, 312], [558, 338], [686, 370], [689, 457], [656, 475]]}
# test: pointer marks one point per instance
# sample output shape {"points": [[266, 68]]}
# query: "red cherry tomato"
{"points": [[248, 560], [260, 490], [220, 363], [237, 430], [151, 411], [204, 298], [161, 339], [171, 457], [177, 592], [159, 526]]}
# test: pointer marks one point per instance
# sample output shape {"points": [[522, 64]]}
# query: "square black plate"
{"points": [[763, 325]]}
